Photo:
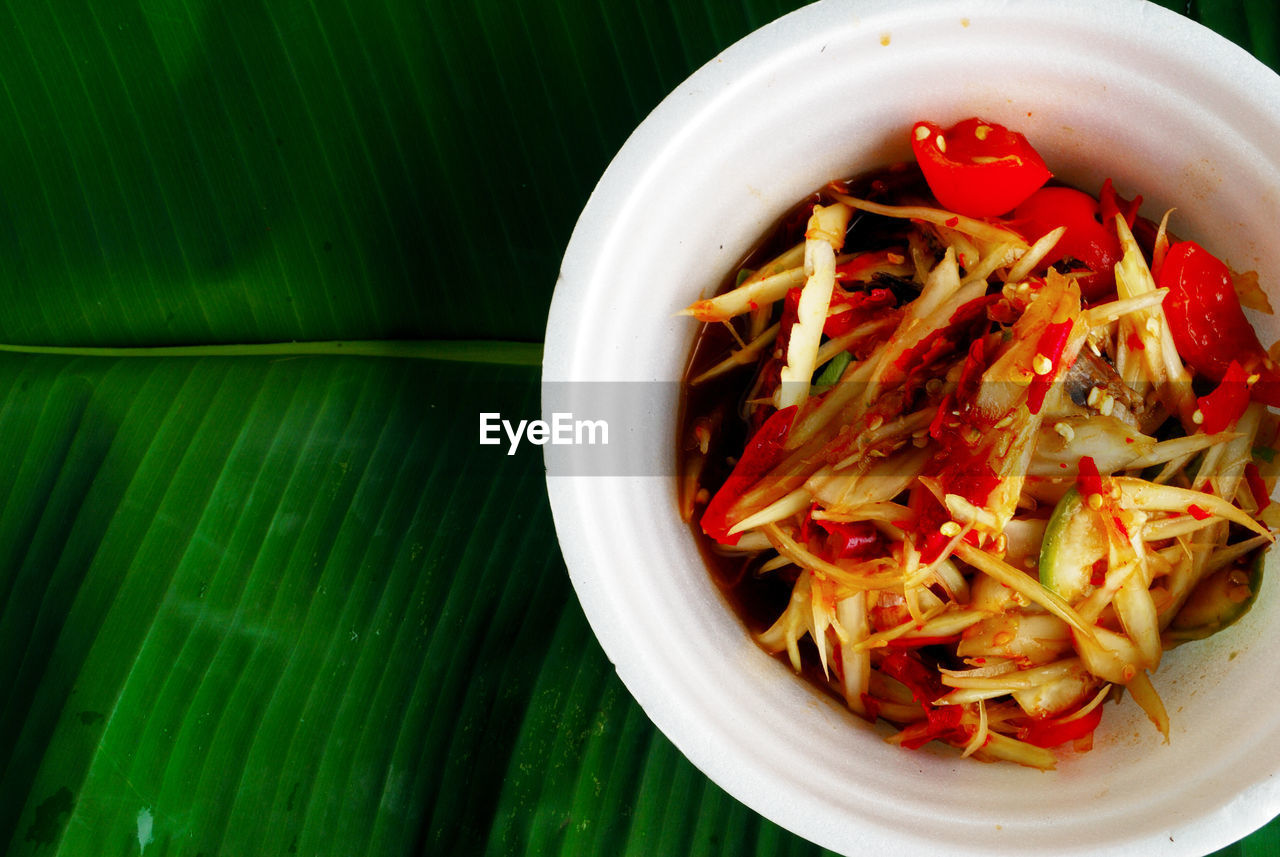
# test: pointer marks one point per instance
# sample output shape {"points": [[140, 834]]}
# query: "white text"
{"points": [[562, 430]]}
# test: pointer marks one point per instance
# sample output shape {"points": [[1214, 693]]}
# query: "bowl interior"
{"points": [[1103, 89]]}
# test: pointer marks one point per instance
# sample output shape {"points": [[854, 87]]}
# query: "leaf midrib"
{"points": [[475, 351]]}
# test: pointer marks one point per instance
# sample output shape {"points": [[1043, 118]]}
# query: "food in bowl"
{"points": [[972, 449]]}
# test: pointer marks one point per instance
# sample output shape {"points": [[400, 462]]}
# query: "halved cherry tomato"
{"points": [[1088, 239], [977, 168], [1205, 317], [1207, 322]]}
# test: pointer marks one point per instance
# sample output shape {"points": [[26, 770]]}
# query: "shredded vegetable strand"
{"points": [[1022, 584], [744, 356], [855, 581], [980, 734]]}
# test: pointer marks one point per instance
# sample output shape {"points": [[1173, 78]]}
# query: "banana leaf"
{"points": [[261, 590]]}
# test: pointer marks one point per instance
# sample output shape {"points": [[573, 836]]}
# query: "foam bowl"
{"points": [[1125, 90]]}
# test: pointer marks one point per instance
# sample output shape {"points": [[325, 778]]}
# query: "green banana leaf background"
{"points": [[262, 264]]}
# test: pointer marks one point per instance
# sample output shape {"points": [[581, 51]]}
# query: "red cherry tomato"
{"points": [[1087, 239], [1205, 317], [1207, 322], [977, 168]]}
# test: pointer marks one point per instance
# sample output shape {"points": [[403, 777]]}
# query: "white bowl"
{"points": [[1125, 90]]}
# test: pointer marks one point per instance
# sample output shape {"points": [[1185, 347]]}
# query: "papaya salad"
{"points": [[972, 449]]}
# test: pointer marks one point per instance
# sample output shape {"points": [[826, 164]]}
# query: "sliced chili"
{"points": [[1223, 407], [762, 452], [1052, 732]]}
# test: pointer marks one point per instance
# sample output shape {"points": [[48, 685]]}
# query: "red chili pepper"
{"points": [[929, 515], [966, 324], [857, 267], [1090, 238], [1227, 402], [1197, 512], [771, 371], [762, 452], [1051, 344], [1111, 203], [857, 308], [977, 168], [1098, 573], [974, 480], [975, 363], [1090, 480], [790, 314], [1053, 731], [905, 666], [938, 425], [1257, 487], [872, 705], [941, 723], [1207, 322]]}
